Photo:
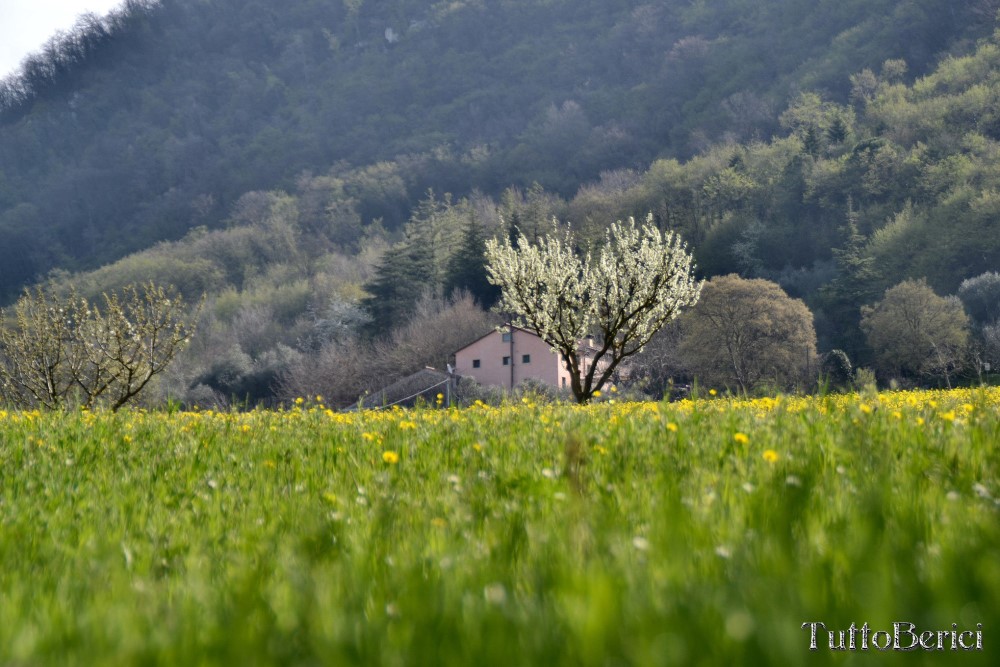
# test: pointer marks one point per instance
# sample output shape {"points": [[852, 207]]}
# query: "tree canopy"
{"points": [[916, 333], [640, 280], [746, 333]]}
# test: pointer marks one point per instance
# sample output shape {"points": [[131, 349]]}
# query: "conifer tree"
{"points": [[467, 266]]}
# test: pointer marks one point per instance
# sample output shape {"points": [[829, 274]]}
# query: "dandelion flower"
{"points": [[741, 438], [712, 392], [770, 455], [391, 458], [672, 427]]}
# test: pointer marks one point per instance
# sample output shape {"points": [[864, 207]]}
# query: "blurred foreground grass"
{"points": [[703, 532]]}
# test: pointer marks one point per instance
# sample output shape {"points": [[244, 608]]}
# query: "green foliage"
{"points": [[981, 297], [467, 266], [747, 334], [136, 127], [836, 369], [916, 333], [271, 157]]}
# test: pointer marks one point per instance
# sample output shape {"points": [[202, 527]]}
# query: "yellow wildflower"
{"points": [[672, 427], [741, 438], [770, 455], [390, 457]]}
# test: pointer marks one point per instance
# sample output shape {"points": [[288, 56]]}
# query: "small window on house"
{"points": [[506, 337], [506, 361], [525, 358], [475, 363], [564, 382]]}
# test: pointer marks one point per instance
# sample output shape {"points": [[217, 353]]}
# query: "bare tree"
{"points": [[343, 370], [63, 350]]}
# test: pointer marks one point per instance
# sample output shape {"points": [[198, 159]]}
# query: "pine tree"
{"points": [[409, 269], [811, 141], [855, 285], [467, 266], [400, 280]]}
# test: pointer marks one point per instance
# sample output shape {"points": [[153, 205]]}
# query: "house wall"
{"points": [[544, 365]]}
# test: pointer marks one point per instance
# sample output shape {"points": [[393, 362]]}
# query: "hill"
{"points": [[139, 126]]}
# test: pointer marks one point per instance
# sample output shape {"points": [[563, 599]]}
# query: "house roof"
{"points": [[586, 349], [426, 382], [493, 331]]}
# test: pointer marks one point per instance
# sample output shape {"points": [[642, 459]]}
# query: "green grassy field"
{"points": [[701, 533]]}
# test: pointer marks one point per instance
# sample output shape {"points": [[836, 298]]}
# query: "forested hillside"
{"points": [[327, 172], [139, 126]]}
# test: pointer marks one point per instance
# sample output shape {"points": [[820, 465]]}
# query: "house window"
{"points": [[475, 363], [525, 358], [564, 382], [505, 337], [506, 361]]}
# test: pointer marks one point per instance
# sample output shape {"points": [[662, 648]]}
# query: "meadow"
{"points": [[703, 532]]}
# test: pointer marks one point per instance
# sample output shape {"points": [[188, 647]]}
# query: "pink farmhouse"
{"points": [[507, 357]]}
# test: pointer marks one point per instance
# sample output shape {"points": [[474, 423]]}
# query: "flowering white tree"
{"points": [[642, 279]]}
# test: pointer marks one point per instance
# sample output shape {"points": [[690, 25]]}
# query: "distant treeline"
{"points": [[56, 70]]}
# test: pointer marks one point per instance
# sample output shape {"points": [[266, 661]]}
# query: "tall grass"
{"points": [[703, 532]]}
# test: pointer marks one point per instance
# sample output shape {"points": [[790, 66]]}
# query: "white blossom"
{"points": [[641, 279]]}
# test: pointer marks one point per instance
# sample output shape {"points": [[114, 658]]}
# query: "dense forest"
{"points": [[327, 171]]}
